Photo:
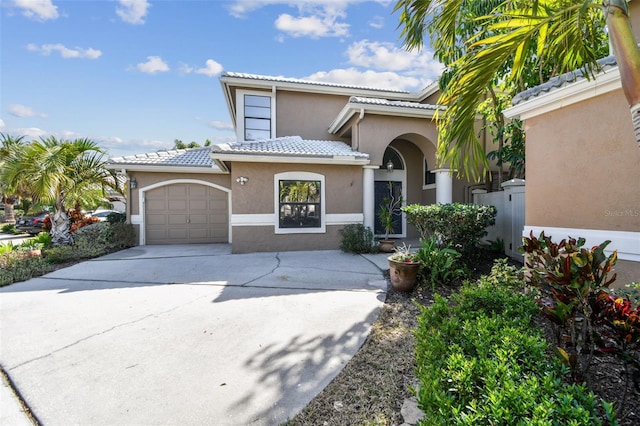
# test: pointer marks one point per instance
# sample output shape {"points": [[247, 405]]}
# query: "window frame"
{"points": [[240, 113], [300, 176], [425, 169]]}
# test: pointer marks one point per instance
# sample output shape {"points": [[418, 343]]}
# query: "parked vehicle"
{"points": [[32, 225], [102, 215]]}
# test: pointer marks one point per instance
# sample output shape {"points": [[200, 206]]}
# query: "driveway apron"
{"points": [[186, 335]]}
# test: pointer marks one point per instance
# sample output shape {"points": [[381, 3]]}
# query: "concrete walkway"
{"points": [[187, 335]]}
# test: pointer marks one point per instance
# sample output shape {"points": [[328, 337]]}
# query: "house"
{"points": [[309, 158], [583, 161]]}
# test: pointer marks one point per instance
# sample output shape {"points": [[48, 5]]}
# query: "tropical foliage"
{"points": [[61, 173], [516, 44]]}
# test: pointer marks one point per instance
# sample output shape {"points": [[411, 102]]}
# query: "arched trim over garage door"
{"points": [[142, 218]]}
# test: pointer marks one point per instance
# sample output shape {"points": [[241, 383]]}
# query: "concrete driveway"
{"points": [[186, 335]]}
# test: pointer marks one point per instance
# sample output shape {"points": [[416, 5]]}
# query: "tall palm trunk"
{"points": [[627, 54]]}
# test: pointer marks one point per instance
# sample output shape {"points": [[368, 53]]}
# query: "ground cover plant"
{"points": [[383, 375], [18, 263]]}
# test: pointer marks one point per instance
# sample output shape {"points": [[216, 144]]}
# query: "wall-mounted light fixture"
{"points": [[133, 183], [242, 180], [390, 167]]}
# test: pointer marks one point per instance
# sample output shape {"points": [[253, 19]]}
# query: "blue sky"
{"points": [[134, 75]]}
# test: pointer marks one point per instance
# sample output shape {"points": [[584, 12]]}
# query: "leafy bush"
{"points": [[460, 226], [6, 248], [8, 228], [479, 361], [569, 279], [93, 240], [439, 265], [116, 217], [123, 235], [357, 239], [16, 266]]}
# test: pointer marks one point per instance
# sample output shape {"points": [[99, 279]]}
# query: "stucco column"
{"points": [[444, 186], [368, 193]]}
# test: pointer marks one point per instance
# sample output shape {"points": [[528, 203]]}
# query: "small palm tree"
{"points": [[10, 145], [63, 173]]}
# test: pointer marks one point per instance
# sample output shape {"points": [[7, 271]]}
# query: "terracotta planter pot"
{"points": [[403, 275]]}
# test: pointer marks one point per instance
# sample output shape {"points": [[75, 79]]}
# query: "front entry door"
{"points": [[383, 191]]}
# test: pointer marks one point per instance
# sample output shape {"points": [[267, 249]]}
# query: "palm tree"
{"points": [[9, 145], [555, 36], [64, 173]]}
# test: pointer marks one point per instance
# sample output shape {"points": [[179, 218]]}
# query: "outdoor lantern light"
{"points": [[133, 183], [390, 166], [242, 180]]}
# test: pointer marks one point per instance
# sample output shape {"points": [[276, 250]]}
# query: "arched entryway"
{"points": [[390, 181]]}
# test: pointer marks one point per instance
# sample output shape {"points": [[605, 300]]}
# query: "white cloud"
{"points": [[387, 56], [23, 111], [153, 65], [377, 22], [133, 11], [311, 26], [40, 10], [211, 69], [65, 52], [221, 125], [369, 78], [1, 123], [28, 132]]}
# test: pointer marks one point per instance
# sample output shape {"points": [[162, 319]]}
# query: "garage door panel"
{"points": [[186, 213]]}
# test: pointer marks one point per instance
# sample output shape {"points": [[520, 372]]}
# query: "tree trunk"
{"points": [[625, 49], [60, 224], [9, 211]]}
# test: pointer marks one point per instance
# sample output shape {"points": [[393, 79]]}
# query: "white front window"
{"points": [[299, 203], [255, 115]]}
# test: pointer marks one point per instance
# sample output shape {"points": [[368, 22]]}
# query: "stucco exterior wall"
{"points": [[583, 167], [343, 195], [307, 114], [376, 132]]}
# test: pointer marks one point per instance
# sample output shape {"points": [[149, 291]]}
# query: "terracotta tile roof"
{"points": [[562, 80], [386, 102], [194, 157], [300, 81], [293, 146]]}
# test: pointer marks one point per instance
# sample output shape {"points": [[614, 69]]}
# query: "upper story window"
{"points": [[300, 202], [255, 116]]}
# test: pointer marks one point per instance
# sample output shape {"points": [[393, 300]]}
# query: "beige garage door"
{"points": [[186, 213]]}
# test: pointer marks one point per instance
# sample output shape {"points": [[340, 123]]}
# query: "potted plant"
{"points": [[390, 204], [403, 269]]}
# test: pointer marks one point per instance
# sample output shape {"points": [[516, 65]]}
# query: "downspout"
{"points": [[273, 105], [356, 146]]}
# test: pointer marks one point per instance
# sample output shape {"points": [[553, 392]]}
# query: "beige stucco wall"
{"points": [[343, 196], [583, 167], [307, 114]]}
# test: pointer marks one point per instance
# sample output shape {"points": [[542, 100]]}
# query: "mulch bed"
{"points": [[378, 379]]}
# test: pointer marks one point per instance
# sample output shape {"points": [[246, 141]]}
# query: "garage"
{"points": [[186, 213]]}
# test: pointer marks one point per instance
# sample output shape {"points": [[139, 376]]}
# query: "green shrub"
{"points": [[116, 217], [6, 248], [8, 228], [479, 361], [357, 239], [15, 266], [92, 240], [438, 265], [460, 226], [60, 254], [123, 235]]}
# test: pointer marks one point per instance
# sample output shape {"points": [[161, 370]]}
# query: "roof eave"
{"points": [[346, 160], [165, 168], [353, 108], [583, 89]]}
